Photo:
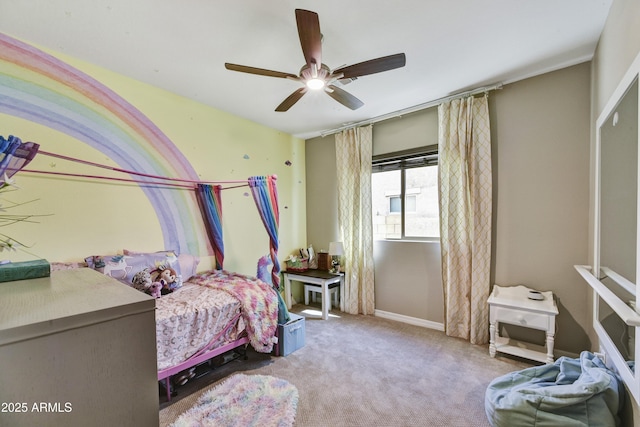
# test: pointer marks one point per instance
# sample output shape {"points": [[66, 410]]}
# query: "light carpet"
{"points": [[244, 401], [364, 371]]}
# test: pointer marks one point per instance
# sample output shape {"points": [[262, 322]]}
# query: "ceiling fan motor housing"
{"points": [[314, 77]]}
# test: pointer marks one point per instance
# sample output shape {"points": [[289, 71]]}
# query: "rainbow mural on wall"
{"points": [[40, 88]]}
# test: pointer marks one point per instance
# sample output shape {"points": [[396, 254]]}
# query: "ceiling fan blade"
{"points": [[310, 36], [258, 71], [291, 99], [372, 66], [344, 97]]}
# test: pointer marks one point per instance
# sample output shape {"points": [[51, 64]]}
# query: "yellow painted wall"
{"points": [[87, 217]]}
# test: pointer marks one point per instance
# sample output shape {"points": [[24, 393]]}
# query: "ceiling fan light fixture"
{"points": [[315, 84], [315, 75]]}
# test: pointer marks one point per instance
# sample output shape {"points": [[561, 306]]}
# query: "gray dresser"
{"points": [[77, 349]]}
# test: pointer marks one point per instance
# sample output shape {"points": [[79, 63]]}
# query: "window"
{"points": [[395, 205], [405, 195]]}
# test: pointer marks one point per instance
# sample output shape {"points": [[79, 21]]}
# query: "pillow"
{"points": [[188, 263], [58, 266], [163, 266]]}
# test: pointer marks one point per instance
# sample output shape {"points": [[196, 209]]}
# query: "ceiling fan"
{"points": [[315, 75]]}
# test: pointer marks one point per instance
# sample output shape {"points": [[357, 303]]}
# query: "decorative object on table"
{"points": [[324, 261], [336, 251], [312, 257], [535, 295], [304, 253], [296, 263], [244, 400]]}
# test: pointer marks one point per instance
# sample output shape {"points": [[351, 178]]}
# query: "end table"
{"points": [[512, 305], [315, 277]]}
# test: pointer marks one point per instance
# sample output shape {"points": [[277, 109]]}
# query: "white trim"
{"points": [[563, 353], [410, 320], [622, 309], [413, 109], [440, 327], [621, 281], [592, 274]]}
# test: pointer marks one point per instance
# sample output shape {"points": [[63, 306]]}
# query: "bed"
{"points": [[205, 316], [212, 313]]}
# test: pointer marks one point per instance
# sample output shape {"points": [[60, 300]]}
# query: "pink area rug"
{"points": [[244, 401]]}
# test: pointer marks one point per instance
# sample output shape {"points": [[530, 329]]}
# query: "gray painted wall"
{"points": [[618, 46], [543, 212], [540, 132]]}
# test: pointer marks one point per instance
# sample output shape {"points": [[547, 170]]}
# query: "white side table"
{"points": [[512, 305], [315, 277]]}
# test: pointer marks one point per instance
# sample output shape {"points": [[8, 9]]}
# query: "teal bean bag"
{"points": [[569, 392]]}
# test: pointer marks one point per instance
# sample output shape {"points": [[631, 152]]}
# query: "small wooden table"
{"points": [[315, 277], [512, 305]]}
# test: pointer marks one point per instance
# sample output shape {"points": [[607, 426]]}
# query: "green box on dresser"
{"points": [[24, 270]]}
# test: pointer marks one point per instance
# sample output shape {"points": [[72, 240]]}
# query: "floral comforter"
{"points": [[192, 318], [258, 300]]}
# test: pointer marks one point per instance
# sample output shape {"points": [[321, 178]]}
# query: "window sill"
{"points": [[424, 240]]}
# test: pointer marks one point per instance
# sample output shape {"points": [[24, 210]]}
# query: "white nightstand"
{"points": [[512, 305], [320, 278]]}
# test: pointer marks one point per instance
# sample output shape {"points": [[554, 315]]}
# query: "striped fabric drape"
{"points": [[465, 216], [353, 165], [15, 154], [265, 194], [211, 206]]}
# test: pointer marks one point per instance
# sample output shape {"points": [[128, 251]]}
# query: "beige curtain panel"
{"points": [[354, 149], [465, 216]]}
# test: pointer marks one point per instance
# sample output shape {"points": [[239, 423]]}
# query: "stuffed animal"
{"points": [[155, 289], [142, 280], [169, 279]]}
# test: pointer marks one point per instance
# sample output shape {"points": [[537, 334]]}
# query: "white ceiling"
{"points": [[181, 46]]}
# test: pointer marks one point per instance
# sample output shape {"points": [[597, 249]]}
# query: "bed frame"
{"points": [[203, 355]]}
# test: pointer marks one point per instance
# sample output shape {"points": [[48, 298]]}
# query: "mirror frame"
{"points": [[630, 316]]}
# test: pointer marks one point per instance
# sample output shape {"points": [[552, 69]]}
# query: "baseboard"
{"points": [[559, 353], [440, 327], [410, 320]]}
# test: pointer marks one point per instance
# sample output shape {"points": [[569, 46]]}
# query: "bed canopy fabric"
{"points": [[211, 206], [15, 154], [265, 194]]}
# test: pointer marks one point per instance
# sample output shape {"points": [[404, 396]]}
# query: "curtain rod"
{"points": [[146, 175], [413, 109], [135, 181]]}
